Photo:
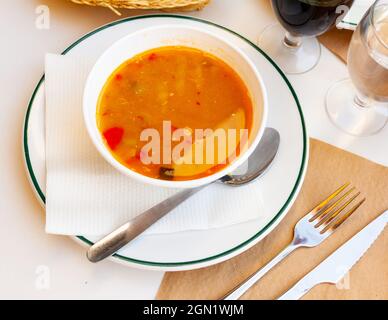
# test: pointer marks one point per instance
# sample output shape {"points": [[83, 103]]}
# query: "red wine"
{"points": [[308, 17]]}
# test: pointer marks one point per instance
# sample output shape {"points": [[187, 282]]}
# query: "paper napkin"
{"points": [[355, 14], [87, 196]]}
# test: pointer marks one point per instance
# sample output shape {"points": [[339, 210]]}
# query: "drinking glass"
{"points": [[297, 50], [359, 105]]}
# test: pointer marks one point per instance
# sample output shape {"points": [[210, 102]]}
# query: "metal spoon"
{"points": [[258, 162]]}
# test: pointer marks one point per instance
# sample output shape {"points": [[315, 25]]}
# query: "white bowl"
{"points": [[174, 35]]}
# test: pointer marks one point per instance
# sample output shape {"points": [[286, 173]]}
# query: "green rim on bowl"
{"points": [[173, 264]]}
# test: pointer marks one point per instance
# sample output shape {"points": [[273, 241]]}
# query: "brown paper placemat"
{"points": [[337, 41], [329, 167]]}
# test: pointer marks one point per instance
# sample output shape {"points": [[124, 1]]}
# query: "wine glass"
{"points": [[359, 105], [297, 50]]}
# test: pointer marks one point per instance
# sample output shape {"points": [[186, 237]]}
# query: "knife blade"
{"points": [[334, 268]]}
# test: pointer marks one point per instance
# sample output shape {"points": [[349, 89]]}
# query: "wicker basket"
{"points": [[170, 5]]}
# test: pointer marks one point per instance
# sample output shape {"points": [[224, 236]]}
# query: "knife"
{"points": [[344, 257]]}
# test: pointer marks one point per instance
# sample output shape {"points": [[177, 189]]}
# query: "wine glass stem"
{"points": [[291, 41], [361, 101]]}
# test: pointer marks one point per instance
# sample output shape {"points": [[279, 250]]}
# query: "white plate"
{"points": [[279, 186]]}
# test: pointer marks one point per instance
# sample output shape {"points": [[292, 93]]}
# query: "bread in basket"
{"points": [[181, 5]]}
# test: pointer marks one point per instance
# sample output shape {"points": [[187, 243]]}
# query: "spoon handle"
{"points": [[130, 230]]}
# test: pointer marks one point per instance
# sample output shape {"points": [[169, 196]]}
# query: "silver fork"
{"points": [[310, 231]]}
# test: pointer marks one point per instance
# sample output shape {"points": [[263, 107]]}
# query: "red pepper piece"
{"points": [[173, 128], [113, 136], [152, 56]]}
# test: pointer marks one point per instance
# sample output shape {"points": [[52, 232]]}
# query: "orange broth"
{"points": [[191, 88]]}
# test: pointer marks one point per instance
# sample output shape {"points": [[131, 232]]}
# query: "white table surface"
{"points": [[36, 265]]}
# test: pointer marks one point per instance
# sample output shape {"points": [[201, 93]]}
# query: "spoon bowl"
{"points": [[258, 162]]}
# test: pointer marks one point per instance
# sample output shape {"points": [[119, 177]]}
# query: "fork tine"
{"points": [[334, 213], [335, 224], [322, 215], [347, 215], [316, 212]]}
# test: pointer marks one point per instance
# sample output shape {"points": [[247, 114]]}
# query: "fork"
{"points": [[309, 232]]}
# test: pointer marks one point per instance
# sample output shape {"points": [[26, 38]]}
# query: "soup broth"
{"points": [[173, 90]]}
